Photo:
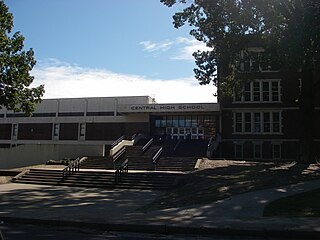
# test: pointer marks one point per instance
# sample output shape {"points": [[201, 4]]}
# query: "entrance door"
{"points": [[175, 133]]}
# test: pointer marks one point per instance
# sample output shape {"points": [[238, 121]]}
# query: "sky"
{"points": [[107, 48]]}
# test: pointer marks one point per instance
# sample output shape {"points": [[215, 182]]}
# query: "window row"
{"points": [[257, 122], [182, 121], [257, 61], [60, 114], [260, 91], [257, 150]]}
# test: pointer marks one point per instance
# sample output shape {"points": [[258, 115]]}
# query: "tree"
{"points": [[15, 67], [289, 31]]}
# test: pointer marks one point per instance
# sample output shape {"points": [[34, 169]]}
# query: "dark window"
{"points": [[238, 150], [43, 114], [70, 114], [100, 113], [14, 115], [68, 131], [257, 150], [247, 122], [276, 150], [5, 131], [35, 131], [238, 122]]}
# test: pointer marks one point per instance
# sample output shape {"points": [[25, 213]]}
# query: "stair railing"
{"points": [[177, 145], [118, 155], [145, 147], [156, 157], [74, 166], [121, 170], [213, 145], [116, 142]]}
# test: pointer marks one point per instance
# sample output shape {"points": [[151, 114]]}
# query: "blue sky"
{"points": [[88, 48]]}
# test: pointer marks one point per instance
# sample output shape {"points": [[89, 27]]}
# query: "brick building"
{"points": [[262, 121]]}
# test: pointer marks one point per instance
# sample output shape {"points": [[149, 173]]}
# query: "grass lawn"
{"points": [[300, 205]]}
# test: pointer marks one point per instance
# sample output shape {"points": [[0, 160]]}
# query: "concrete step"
{"points": [[156, 181]]}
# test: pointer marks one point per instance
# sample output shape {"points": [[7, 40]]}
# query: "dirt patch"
{"points": [[220, 179], [5, 179]]}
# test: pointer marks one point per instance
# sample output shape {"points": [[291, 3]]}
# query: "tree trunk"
{"points": [[306, 107]]}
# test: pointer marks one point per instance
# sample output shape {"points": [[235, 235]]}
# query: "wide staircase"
{"points": [[98, 163], [100, 179], [176, 164], [136, 167]]}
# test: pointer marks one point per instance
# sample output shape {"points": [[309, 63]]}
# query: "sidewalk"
{"points": [[116, 210]]}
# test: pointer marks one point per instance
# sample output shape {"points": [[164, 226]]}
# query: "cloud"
{"points": [[154, 47], [182, 48], [63, 80], [190, 46]]}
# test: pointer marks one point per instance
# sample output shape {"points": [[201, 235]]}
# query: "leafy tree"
{"points": [[15, 67], [288, 30]]}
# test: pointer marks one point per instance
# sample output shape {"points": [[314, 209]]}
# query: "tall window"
{"points": [[247, 92], [261, 90], [276, 150], [238, 150], [14, 130], [266, 91], [82, 129], [266, 122], [257, 150], [247, 122], [238, 122], [275, 91], [56, 129], [257, 122], [276, 121], [256, 91]]}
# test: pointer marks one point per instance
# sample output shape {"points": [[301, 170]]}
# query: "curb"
{"points": [[169, 229]]}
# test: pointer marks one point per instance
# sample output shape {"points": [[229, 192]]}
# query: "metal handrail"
{"points": [[155, 157], [74, 166], [116, 142], [177, 145], [144, 148], [119, 154], [213, 145], [121, 170], [133, 136]]}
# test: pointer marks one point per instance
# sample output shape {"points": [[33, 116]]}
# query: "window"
{"points": [[257, 150], [238, 150], [82, 129], [257, 122], [266, 90], [238, 122], [56, 129], [276, 150], [256, 91], [15, 130], [254, 59], [275, 91], [175, 121], [276, 121], [247, 92], [247, 122], [182, 122], [266, 122]]}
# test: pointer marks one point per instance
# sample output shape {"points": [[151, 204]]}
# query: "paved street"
{"points": [[117, 210]]}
